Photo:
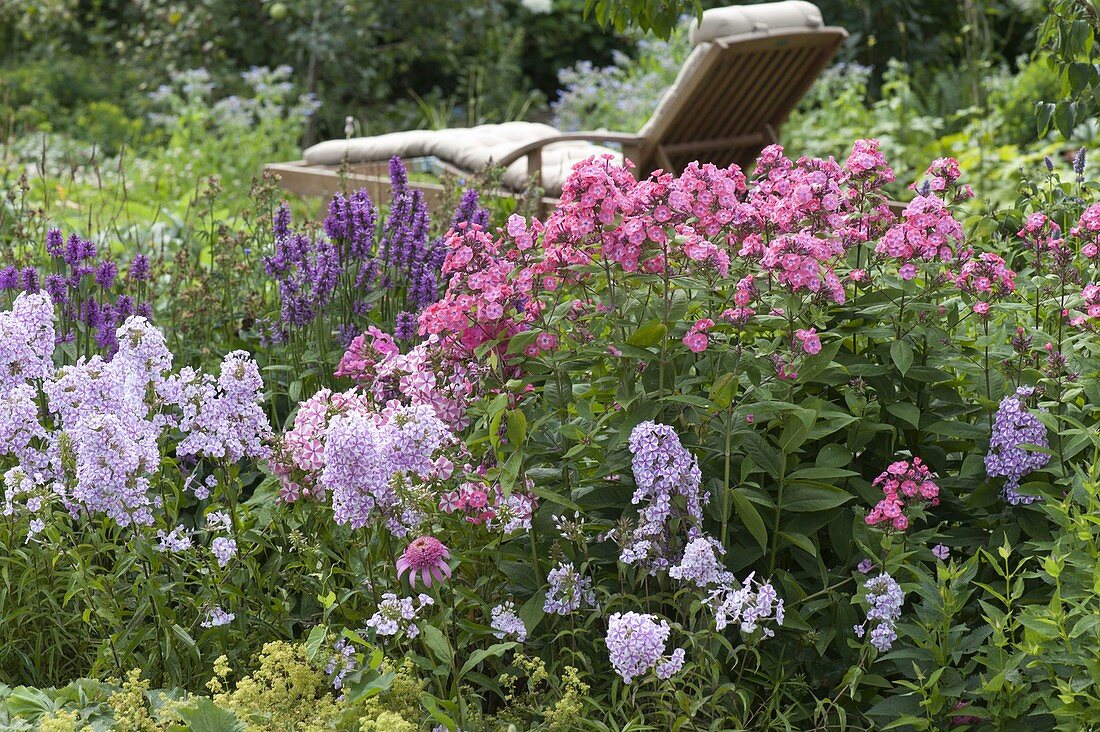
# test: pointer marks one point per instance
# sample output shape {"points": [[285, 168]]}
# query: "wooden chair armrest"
{"points": [[626, 139]]}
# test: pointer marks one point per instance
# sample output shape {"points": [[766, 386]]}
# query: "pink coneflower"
{"points": [[426, 556]]}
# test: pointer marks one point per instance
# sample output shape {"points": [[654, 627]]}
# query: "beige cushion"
{"points": [[738, 19], [473, 149]]}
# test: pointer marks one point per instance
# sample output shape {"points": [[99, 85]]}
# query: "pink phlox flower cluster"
{"points": [[1091, 294], [803, 262], [808, 340], [487, 294], [904, 483], [867, 166], [698, 249], [491, 507], [942, 179], [744, 293], [636, 644], [987, 277], [696, 338], [428, 374], [597, 194], [607, 214], [362, 355], [1087, 230], [1041, 233], [807, 195], [928, 232], [709, 195]]}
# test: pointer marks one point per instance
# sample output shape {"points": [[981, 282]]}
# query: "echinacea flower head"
{"points": [[426, 556]]}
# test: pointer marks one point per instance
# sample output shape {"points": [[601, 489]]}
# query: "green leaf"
{"points": [[548, 494], [314, 640], [799, 540], [901, 353], [805, 498], [833, 455], [763, 455], [532, 611], [819, 473], [203, 715], [29, 702], [497, 649], [906, 411], [648, 335], [723, 390], [1065, 117], [957, 429], [432, 705], [1044, 113], [366, 688], [437, 643], [749, 516], [516, 428]]}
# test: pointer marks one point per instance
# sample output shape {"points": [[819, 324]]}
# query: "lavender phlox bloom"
{"points": [[636, 644], [885, 598], [1014, 426]]}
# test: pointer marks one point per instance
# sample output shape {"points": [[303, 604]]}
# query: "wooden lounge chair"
{"points": [[749, 67]]}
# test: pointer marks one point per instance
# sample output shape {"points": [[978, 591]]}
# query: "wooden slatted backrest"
{"points": [[730, 102]]}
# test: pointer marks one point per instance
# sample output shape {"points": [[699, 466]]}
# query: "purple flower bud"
{"points": [[9, 278], [404, 328], [139, 268], [105, 274], [55, 243], [30, 279], [281, 223], [124, 306], [57, 288]]}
